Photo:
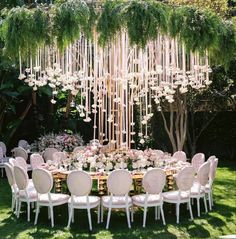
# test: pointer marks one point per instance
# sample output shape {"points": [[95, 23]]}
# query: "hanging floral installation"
{"points": [[139, 53]]}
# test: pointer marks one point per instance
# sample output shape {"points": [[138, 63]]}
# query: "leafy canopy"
{"points": [[25, 29]]}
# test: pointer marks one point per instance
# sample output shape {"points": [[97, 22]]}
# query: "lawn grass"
{"points": [[220, 221]]}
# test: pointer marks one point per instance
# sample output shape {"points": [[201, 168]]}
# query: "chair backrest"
{"points": [[48, 153], [20, 152], [4, 148], [1, 155], [197, 160], [9, 173], [21, 177], [23, 144], [211, 158], [36, 160], [119, 182], [203, 173], [180, 156], [78, 149], [79, 183], [43, 181], [185, 178], [154, 181], [59, 156], [213, 168], [12, 162], [19, 161]]}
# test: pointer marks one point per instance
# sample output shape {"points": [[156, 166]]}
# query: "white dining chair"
{"points": [[12, 183], [198, 188], [20, 161], [197, 160], [27, 193], [20, 152], [184, 182], [180, 156], [209, 186], [1, 161], [78, 149], [36, 160], [4, 148], [43, 183], [3, 157], [59, 157], [211, 158], [153, 183], [80, 184], [118, 185], [23, 144], [48, 153]]}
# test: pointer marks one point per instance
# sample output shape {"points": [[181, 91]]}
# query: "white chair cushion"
{"points": [[56, 198], [116, 201], [195, 189], [173, 196], [152, 199], [32, 194], [82, 201]]}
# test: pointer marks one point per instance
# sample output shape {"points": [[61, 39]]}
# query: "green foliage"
{"points": [[24, 30], [196, 28], [225, 50], [110, 21], [70, 19], [144, 19], [220, 7]]}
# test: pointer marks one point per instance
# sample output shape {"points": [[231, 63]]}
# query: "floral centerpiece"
{"points": [[94, 159], [63, 141]]}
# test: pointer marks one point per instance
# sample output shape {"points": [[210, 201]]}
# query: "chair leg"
{"points": [[209, 200], [162, 214], [73, 215], [128, 218], [52, 216], [28, 211], [98, 219], [12, 202], [132, 214], [212, 204], [198, 207], [205, 203], [2, 172], [49, 213], [16, 205], [177, 213], [102, 213], [19, 208], [144, 216], [156, 213], [108, 218], [36, 215], [190, 210], [70, 215], [89, 219]]}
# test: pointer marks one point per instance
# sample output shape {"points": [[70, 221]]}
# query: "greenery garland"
{"points": [[70, 19], [196, 28], [225, 49], [144, 19], [26, 29], [110, 21]]}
